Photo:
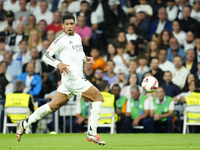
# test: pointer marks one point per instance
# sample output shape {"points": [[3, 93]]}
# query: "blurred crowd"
{"points": [[128, 39]]}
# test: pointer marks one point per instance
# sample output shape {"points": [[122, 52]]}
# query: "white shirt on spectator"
{"points": [[188, 46], [172, 14], [160, 27], [47, 16], [119, 63], [25, 58], [167, 66], [7, 5], [153, 107], [179, 77], [4, 25], [33, 9], [131, 36], [28, 84], [184, 94], [195, 15], [180, 37], [142, 71], [146, 105]]}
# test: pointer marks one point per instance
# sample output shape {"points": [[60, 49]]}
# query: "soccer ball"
{"points": [[150, 84]]}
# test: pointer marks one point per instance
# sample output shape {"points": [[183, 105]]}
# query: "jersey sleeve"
{"points": [[53, 48]]}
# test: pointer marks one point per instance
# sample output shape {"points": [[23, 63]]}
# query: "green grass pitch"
{"points": [[115, 142]]}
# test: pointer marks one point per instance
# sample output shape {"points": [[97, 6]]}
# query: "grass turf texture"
{"points": [[115, 141]]}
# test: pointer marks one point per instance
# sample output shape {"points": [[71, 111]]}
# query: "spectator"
{"points": [[156, 5], [85, 33], [190, 77], [45, 46], [63, 9], [11, 5], [182, 96], [133, 64], [121, 60], [31, 24], [51, 36], [121, 39], [99, 61], [144, 5], [162, 109], [6, 85], [152, 51], [4, 46], [179, 34], [88, 72], [120, 107], [43, 14], [172, 10], [111, 52], [110, 76], [85, 12], [190, 63], [187, 23], [12, 65], [195, 13], [73, 6], [156, 71], [35, 40], [131, 35], [142, 61], [42, 25], [133, 80], [164, 64], [22, 100], [138, 30], [192, 99], [98, 75], [14, 39], [144, 21], [56, 25], [168, 86], [22, 15], [82, 114], [23, 56], [131, 48], [120, 79], [179, 74], [189, 41], [33, 81], [162, 23], [33, 6], [164, 38], [137, 111], [198, 73], [9, 26], [2, 12], [175, 50], [181, 6]]}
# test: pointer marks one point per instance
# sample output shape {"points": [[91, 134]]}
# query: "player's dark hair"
{"points": [[67, 16], [102, 85]]}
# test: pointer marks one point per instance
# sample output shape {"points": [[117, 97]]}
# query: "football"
{"points": [[150, 84]]}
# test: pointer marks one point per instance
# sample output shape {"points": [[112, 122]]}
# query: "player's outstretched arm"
{"points": [[89, 60]]}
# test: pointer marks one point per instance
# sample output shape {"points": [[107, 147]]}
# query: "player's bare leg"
{"points": [[58, 100], [94, 95]]}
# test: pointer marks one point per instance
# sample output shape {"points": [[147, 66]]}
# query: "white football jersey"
{"points": [[70, 51]]}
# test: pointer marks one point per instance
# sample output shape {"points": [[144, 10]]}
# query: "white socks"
{"points": [[37, 115], [94, 117]]}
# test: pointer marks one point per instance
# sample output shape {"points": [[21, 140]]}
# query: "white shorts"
{"points": [[73, 87]]}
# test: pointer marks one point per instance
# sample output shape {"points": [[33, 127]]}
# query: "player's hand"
{"points": [[136, 122], [89, 60], [63, 68]]}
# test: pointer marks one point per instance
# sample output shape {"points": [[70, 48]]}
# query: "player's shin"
{"points": [[94, 117], [37, 115]]}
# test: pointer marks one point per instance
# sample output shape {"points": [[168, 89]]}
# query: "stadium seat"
{"points": [[107, 110], [192, 109], [13, 110]]}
